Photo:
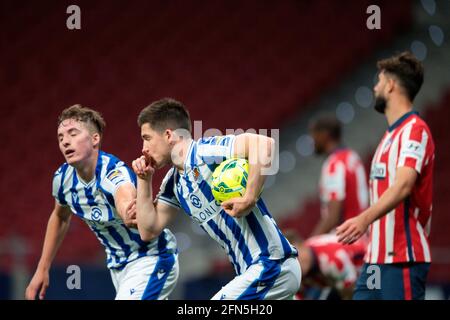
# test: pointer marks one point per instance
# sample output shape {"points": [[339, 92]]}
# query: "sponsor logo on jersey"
{"points": [[207, 213], [378, 171]]}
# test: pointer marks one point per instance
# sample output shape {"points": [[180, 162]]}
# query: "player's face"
{"points": [[76, 142], [156, 146], [379, 93]]}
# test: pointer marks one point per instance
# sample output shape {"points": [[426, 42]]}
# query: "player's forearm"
{"points": [[123, 198], [255, 182], [55, 233], [390, 199], [145, 210]]}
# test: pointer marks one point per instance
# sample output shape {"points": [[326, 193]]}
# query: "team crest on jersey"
{"points": [[196, 173], [96, 214]]}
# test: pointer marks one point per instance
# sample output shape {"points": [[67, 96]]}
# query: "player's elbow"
{"points": [[405, 190], [405, 187], [266, 155]]}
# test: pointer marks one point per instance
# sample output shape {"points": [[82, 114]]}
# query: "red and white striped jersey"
{"points": [[402, 234], [344, 179], [339, 265]]}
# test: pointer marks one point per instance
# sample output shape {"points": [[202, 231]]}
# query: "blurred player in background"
{"points": [[100, 189], [329, 265], [343, 183], [401, 182], [264, 261]]}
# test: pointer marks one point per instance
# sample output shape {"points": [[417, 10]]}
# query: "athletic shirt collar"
{"points": [[397, 123]]}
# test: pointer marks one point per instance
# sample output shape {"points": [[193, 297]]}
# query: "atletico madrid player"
{"points": [[401, 182]]}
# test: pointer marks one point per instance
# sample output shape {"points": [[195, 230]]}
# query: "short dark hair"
{"points": [[407, 69], [328, 123], [165, 114], [89, 116]]}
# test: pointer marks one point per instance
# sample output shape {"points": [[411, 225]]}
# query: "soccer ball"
{"points": [[229, 179]]}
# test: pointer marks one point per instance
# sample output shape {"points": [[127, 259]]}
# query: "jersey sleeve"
{"points": [[333, 181], [117, 177], [216, 149], [413, 148], [166, 192], [57, 189]]}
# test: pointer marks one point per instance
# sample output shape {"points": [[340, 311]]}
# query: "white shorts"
{"points": [[265, 280], [146, 278]]}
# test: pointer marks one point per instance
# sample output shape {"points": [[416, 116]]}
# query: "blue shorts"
{"points": [[398, 281]]}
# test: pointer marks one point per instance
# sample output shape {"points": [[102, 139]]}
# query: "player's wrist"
{"points": [[43, 267], [145, 178], [250, 198], [367, 217]]}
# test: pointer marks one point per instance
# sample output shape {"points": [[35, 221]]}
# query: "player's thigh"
{"points": [[115, 277], [149, 278], [366, 288], [404, 281], [287, 283], [161, 285], [234, 289], [264, 280], [418, 278], [393, 285]]}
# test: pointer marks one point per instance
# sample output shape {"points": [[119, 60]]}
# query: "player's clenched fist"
{"points": [[142, 167]]}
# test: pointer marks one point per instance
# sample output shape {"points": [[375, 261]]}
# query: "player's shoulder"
{"points": [[109, 159], [63, 169], [417, 126], [215, 140], [335, 158], [109, 162], [113, 169], [420, 123], [415, 122], [62, 175]]}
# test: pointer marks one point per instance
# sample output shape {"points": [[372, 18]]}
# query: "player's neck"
{"points": [[86, 169], [182, 149], [397, 108], [331, 147]]}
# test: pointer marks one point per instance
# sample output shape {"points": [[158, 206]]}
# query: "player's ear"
{"points": [[168, 135], [96, 139], [172, 136], [390, 84]]}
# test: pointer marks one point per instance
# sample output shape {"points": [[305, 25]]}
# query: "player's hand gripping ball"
{"points": [[229, 179]]}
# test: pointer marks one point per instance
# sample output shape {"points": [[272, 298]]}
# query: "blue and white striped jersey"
{"points": [[246, 240], [94, 203]]}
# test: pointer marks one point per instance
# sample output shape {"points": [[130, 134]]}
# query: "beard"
{"points": [[380, 104]]}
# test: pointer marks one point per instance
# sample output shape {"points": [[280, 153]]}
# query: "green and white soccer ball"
{"points": [[229, 179]]}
